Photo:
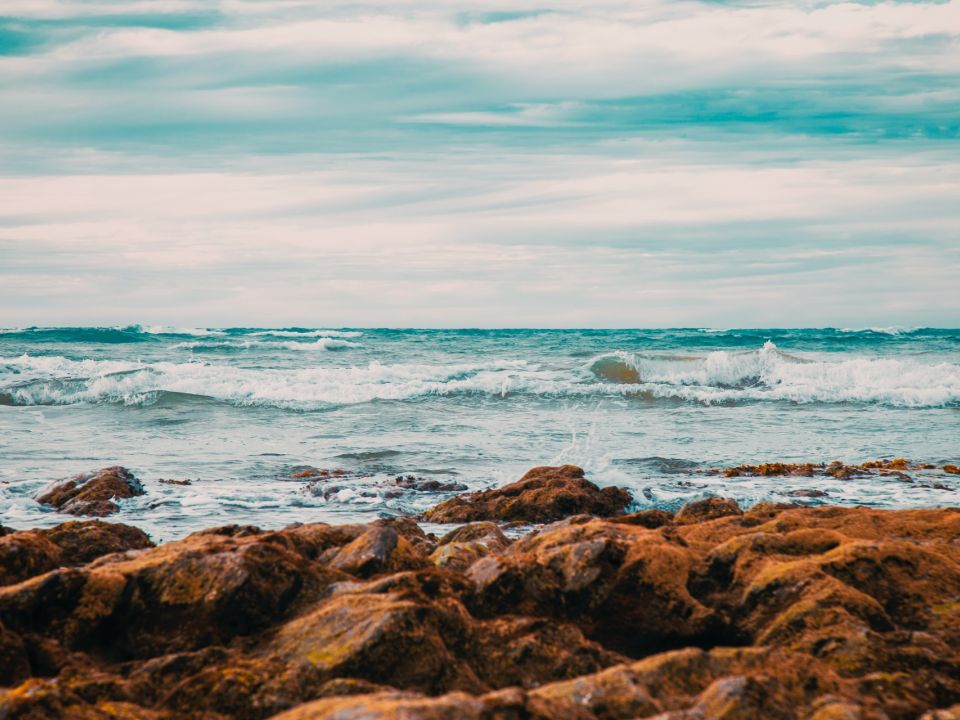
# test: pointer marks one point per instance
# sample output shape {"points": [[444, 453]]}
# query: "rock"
{"points": [[781, 611], [459, 549], [710, 508], [624, 586], [32, 552], [807, 492], [379, 549], [412, 482], [92, 493], [544, 494], [384, 638], [951, 469], [646, 518], [202, 590]]}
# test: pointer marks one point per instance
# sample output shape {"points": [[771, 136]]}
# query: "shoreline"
{"points": [[775, 611]]}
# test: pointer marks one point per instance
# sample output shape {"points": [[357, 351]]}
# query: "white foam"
{"points": [[59, 380], [721, 376], [309, 333], [323, 343], [172, 330], [769, 374]]}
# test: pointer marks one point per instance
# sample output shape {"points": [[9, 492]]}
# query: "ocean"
{"points": [[238, 412]]}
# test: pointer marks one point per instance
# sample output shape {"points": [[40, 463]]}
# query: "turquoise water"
{"points": [[236, 411]]}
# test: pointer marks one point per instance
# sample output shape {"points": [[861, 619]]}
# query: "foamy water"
{"points": [[236, 410]]}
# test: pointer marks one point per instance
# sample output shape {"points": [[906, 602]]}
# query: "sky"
{"points": [[454, 163]]}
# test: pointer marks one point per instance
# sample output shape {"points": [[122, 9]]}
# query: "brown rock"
{"points": [[711, 508], [459, 549], [624, 586], [778, 612], [32, 552], [379, 549], [651, 519], [184, 595], [542, 495], [92, 493]]}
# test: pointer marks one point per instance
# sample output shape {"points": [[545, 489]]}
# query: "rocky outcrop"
{"points": [[777, 611], [93, 493], [542, 495], [32, 552], [461, 548]]}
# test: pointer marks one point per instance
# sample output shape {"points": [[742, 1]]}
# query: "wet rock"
{"points": [[32, 552], [624, 586], [459, 549], [646, 518], [379, 549], [383, 638], [820, 613], [710, 508], [544, 494], [807, 492], [419, 484], [202, 590], [951, 469], [92, 493], [171, 481]]}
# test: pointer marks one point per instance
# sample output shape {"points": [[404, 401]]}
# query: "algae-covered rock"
{"points": [[93, 493], [544, 494], [778, 611]]}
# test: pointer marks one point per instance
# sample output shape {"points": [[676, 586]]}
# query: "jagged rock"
{"points": [[624, 586], [544, 494], [32, 552], [646, 518], [92, 493], [709, 508], [379, 549], [780, 611], [460, 548]]}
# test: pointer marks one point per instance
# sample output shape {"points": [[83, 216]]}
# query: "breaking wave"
{"points": [[767, 374], [321, 343], [771, 374]]}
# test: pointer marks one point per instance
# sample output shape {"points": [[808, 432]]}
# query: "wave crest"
{"points": [[771, 374]]}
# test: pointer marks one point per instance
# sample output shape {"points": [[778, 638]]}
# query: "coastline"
{"points": [[778, 610]]}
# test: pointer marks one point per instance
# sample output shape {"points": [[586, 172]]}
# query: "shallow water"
{"points": [[236, 411]]}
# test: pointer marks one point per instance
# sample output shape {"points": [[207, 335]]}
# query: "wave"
{"points": [[767, 374], [322, 343], [308, 333], [881, 330], [771, 374], [141, 333], [29, 380]]}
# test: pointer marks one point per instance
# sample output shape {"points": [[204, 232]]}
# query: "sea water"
{"points": [[238, 411]]}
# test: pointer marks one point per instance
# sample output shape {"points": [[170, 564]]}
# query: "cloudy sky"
{"points": [[465, 163]]}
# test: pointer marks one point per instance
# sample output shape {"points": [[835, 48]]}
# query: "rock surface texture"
{"points": [[542, 495], [93, 493], [777, 611]]}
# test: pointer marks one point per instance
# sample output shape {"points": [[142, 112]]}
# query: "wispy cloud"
{"points": [[445, 162]]}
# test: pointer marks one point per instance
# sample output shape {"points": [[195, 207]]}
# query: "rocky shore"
{"points": [[777, 611]]}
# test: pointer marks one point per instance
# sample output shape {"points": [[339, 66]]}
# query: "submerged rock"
{"points": [[544, 494], [92, 493]]}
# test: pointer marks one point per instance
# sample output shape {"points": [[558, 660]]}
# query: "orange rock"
{"points": [[709, 508], [824, 613], [92, 493], [542, 495], [460, 548], [29, 553]]}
